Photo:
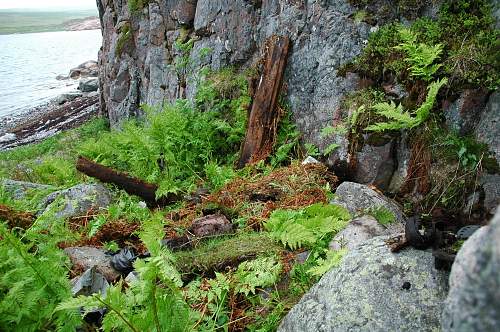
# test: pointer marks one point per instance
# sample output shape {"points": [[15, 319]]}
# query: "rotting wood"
{"points": [[264, 115], [132, 185], [16, 218]]}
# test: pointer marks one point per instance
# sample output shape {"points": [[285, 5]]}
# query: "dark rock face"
{"points": [[375, 165], [462, 116], [488, 128], [138, 66]]}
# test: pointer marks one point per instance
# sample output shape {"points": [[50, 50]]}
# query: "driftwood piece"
{"points": [[132, 185], [264, 115], [16, 218]]}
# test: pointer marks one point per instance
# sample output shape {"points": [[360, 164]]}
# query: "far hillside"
{"points": [[24, 21]]}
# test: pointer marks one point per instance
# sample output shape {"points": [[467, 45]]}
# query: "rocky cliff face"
{"points": [[139, 56], [153, 52]]}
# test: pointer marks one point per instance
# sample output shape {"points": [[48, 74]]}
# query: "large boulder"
{"points": [[374, 290], [88, 84], [473, 303], [77, 200], [359, 198], [86, 69]]}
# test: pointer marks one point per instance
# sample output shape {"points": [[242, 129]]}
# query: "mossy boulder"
{"points": [[76, 201], [374, 290]]}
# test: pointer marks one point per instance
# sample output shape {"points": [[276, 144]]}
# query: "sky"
{"points": [[46, 4]]}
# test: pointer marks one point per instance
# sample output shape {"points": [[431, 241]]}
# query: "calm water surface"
{"points": [[29, 64]]}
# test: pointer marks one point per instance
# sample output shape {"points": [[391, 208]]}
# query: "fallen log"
{"points": [[15, 218], [264, 115], [132, 185]]}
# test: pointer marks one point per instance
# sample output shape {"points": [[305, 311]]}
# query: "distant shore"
{"points": [[18, 21], [79, 24]]}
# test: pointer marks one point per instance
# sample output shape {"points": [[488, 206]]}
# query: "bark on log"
{"points": [[264, 116], [132, 185], [15, 218]]}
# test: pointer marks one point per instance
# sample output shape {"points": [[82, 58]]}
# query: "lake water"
{"points": [[29, 64]]}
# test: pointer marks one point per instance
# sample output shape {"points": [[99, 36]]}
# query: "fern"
{"points": [[306, 227], [32, 283], [424, 111], [261, 272], [383, 215], [174, 147], [401, 119], [333, 259], [421, 57]]}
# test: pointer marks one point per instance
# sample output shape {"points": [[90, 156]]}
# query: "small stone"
{"points": [[88, 257], [310, 160], [210, 226], [302, 257], [90, 282], [7, 137]]}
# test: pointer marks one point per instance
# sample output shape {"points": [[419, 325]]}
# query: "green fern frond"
{"points": [[404, 120], [261, 272], [297, 229], [423, 112], [420, 57], [333, 259]]}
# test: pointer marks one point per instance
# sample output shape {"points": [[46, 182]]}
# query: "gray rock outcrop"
{"points": [[473, 303], [373, 290], [86, 69], [77, 200], [358, 198]]}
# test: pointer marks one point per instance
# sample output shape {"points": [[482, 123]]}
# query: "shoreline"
{"points": [[46, 120]]}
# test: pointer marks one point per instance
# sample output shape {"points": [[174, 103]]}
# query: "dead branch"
{"points": [[132, 185]]}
